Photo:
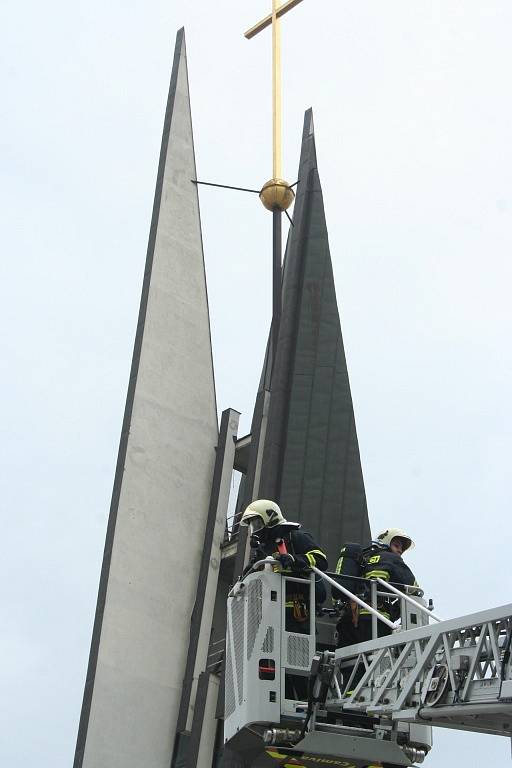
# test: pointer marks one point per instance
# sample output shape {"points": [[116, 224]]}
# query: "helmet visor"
{"points": [[399, 544], [255, 524]]}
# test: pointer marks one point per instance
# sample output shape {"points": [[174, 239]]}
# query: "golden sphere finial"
{"points": [[277, 195]]}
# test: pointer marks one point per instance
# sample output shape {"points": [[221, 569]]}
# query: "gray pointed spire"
{"points": [[311, 461], [162, 483]]}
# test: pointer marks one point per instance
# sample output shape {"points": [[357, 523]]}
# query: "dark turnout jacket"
{"points": [[356, 564], [299, 543], [388, 566]]}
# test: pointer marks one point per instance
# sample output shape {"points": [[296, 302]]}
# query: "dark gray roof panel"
{"points": [[311, 462]]}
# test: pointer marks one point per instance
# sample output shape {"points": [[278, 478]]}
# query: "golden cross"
{"points": [[274, 20]]}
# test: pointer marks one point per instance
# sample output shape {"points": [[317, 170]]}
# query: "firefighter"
{"points": [[383, 559], [297, 552], [293, 547]]}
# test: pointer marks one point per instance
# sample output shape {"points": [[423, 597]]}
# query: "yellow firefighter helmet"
{"points": [[387, 536], [268, 512]]}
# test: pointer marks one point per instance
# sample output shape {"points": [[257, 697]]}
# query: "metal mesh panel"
{"points": [[230, 687], [298, 651], [254, 613], [238, 643], [268, 642]]}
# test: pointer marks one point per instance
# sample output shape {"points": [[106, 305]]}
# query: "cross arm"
{"points": [[267, 21]]}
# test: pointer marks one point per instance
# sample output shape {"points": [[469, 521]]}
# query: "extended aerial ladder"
{"points": [[292, 701]]}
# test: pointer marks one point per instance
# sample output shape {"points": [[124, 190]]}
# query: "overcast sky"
{"points": [[413, 116]]}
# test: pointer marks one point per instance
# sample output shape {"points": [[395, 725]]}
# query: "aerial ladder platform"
{"points": [[292, 699]]}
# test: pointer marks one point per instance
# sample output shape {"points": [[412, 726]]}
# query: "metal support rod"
{"points": [[356, 599], [224, 186], [276, 282], [408, 599]]}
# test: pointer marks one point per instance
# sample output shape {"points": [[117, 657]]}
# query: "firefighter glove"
{"points": [[287, 561]]}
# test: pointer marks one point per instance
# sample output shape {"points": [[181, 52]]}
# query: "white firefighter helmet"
{"points": [[264, 510], [387, 536]]}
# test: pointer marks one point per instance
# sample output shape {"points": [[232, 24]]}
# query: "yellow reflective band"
{"points": [[317, 760], [339, 565], [311, 559], [307, 761], [376, 574], [364, 612], [318, 552]]}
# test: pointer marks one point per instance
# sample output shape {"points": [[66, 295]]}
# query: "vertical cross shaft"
{"points": [[279, 193], [276, 92], [273, 19]]}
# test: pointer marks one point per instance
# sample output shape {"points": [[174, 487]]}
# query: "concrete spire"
{"points": [[162, 483]]}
